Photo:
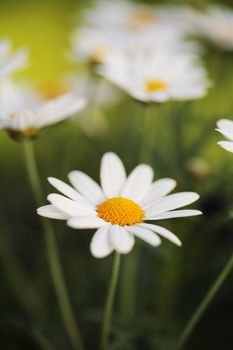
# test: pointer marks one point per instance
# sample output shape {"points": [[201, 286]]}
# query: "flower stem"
{"points": [[109, 302], [205, 303], [145, 134], [52, 250]]}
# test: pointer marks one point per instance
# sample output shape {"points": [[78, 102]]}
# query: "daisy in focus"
{"points": [[10, 62], [24, 114], [225, 127], [217, 26], [157, 76], [119, 208]]}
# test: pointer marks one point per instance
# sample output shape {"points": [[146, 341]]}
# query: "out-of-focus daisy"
{"points": [[132, 17], [10, 62], [157, 76], [217, 25], [225, 127], [120, 207], [94, 45], [23, 113]]}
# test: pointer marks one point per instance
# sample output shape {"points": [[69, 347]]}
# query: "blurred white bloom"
{"points": [[113, 26], [217, 25], [94, 45], [24, 113], [129, 16], [10, 62], [157, 76], [225, 127], [119, 208]]}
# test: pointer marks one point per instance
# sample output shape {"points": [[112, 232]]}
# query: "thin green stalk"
{"points": [[52, 250], [108, 309], [205, 303], [145, 126], [128, 289], [16, 277]]}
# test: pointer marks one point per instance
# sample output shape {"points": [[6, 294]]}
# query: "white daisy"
{"points": [[157, 76], [217, 25], [9, 63], [120, 207], [24, 114], [225, 127]]}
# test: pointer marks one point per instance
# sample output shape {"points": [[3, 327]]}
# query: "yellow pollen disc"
{"points": [[142, 18], [120, 211], [98, 55], [52, 89], [155, 85]]}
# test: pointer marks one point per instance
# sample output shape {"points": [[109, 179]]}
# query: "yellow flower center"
{"points": [[155, 85], [98, 55], [120, 211], [141, 18], [52, 89]]}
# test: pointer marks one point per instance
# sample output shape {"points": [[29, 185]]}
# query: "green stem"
{"points": [[145, 133], [128, 288], [52, 250], [17, 279], [108, 309], [205, 303]]}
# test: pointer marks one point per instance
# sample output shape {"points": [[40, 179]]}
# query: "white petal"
{"points": [[59, 108], [122, 240], [145, 234], [138, 183], [171, 202], [69, 206], [227, 145], [158, 189], [86, 186], [163, 232], [50, 211], [112, 175], [86, 222], [174, 214], [68, 191], [100, 244], [225, 127]]}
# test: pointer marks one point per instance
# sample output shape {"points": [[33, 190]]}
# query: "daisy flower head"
{"points": [[120, 14], [225, 127], [120, 207], [154, 76], [23, 113], [10, 62], [93, 45], [216, 25]]}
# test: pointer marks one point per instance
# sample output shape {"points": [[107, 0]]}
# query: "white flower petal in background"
{"points": [[157, 75], [11, 62], [216, 25], [23, 113], [118, 215], [225, 127]]}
